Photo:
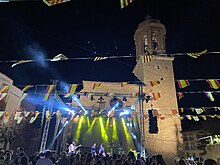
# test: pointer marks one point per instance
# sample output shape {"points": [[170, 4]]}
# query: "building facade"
{"points": [[149, 41], [190, 144], [10, 95]]}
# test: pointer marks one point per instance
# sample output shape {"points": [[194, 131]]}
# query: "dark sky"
{"points": [[31, 30], [85, 28]]}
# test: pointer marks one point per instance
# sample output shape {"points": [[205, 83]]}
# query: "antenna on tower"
{"points": [[148, 16]]}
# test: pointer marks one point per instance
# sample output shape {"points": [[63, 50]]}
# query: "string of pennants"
{"points": [[19, 116], [213, 83], [123, 3], [144, 58]]}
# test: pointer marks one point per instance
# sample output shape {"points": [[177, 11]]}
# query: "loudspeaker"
{"points": [[152, 121]]}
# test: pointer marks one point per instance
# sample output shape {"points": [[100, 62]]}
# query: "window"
{"points": [[145, 44]]}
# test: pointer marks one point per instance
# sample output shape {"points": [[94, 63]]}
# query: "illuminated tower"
{"points": [[150, 40]]}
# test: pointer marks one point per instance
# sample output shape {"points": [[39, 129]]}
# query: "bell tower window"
{"points": [[145, 45]]}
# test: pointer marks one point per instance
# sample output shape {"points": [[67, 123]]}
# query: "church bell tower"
{"points": [[150, 42]]}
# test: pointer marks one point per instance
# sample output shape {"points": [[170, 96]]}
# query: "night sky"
{"points": [[89, 28]]}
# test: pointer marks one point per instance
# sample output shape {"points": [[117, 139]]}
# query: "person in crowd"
{"points": [[45, 160], [160, 160], [181, 162], [63, 159], [210, 162]]}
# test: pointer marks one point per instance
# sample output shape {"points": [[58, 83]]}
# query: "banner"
{"points": [[71, 90], [125, 3], [196, 55], [123, 84], [146, 58], [209, 95], [213, 84], [180, 95], [183, 83], [23, 96], [4, 89], [54, 2], [156, 96], [100, 58], [27, 87], [95, 85], [34, 118], [153, 83], [48, 91]]}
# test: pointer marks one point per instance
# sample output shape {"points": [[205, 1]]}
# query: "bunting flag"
{"points": [[218, 108], [95, 85], [48, 91], [125, 3], [153, 83], [4, 89], [110, 94], [21, 62], [26, 114], [204, 117], [47, 114], [1, 113], [183, 83], [19, 120], [156, 96], [180, 95], [181, 110], [196, 55], [59, 57], [196, 118], [6, 117], [27, 87], [209, 95], [123, 84], [133, 95], [71, 90], [174, 111], [213, 84], [63, 120], [23, 96], [17, 114], [181, 117], [189, 117], [100, 58], [88, 95], [54, 2], [34, 118], [212, 116], [146, 58], [199, 110], [2, 96]]}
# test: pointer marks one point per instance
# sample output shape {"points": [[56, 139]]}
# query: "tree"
{"points": [[10, 131]]}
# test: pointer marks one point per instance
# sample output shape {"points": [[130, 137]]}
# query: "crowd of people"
{"points": [[47, 158]]}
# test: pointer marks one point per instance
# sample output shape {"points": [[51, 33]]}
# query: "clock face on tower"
{"points": [[116, 102]]}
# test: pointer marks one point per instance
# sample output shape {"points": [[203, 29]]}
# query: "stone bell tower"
{"points": [[150, 41]]}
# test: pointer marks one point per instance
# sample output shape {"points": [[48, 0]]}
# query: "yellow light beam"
{"points": [[103, 132], [79, 127], [114, 132], [127, 135]]}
